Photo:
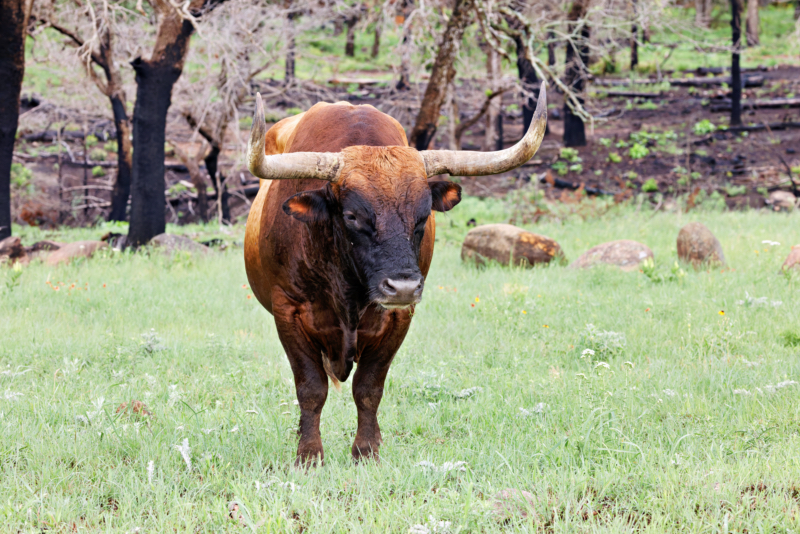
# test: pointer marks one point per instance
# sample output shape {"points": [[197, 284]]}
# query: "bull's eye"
{"points": [[350, 217]]}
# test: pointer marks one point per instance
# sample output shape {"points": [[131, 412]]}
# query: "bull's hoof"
{"points": [[365, 451], [309, 455]]}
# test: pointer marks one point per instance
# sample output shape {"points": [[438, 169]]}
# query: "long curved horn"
{"points": [[291, 166], [460, 163]]}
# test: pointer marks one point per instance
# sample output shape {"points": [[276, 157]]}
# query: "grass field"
{"points": [[684, 419]]}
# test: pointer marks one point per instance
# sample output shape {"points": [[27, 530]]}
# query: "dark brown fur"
{"points": [[300, 274]]}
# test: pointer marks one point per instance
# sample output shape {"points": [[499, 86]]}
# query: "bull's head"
{"points": [[383, 221]]}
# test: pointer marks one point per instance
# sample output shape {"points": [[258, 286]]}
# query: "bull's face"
{"points": [[380, 209]]}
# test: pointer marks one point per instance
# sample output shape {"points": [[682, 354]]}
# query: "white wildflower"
{"points": [[151, 469], [756, 302], [72, 366], [419, 529], [781, 385], [770, 243], [151, 380], [118, 375], [444, 468], [629, 364], [234, 429], [11, 395], [174, 395], [186, 453], [468, 392], [14, 374], [433, 526], [208, 431], [604, 365], [670, 392], [741, 392], [587, 352], [433, 406]]}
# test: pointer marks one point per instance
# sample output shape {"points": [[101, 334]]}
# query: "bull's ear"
{"points": [[308, 206], [445, 195]]}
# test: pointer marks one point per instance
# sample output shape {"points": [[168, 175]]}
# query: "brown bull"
{"points": [[341, 265]]}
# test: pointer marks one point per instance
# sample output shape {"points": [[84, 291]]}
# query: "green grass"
{"points": [[658, 441]]}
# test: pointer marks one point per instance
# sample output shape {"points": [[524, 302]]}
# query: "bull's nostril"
{"points": [[387, 288]]}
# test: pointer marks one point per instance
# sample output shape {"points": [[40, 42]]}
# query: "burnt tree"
{"points": [[634, 40], [736, 73], [752, 23], [406, 8], [155, 78], [111, 87], [350, 44], [575, 74], [442, 75], [14, 16], [521, 32]]}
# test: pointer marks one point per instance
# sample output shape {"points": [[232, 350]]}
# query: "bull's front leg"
{"points": [[311, 385], [367, 392], [369, 378]]}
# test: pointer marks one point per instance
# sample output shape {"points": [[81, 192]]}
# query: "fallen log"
{"points": [[747, 81], [771, 103], [633, 94], [564, 184]]}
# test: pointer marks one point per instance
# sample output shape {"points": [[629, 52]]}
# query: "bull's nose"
{"points": [[401, 290]]}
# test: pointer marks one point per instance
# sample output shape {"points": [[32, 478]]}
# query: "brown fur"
{"points": [[292, 272]]}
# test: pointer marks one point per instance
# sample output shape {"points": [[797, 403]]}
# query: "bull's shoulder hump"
{"points": [[280, 135], [332, 127]]}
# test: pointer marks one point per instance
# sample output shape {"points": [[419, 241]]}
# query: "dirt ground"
{"points": [[683, 157]]}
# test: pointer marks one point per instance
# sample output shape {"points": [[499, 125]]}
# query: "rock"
{"points": [[625, 254], [171, 243], [506, 244], [698, 246], [45, 246], [71, 251], [793, 261], [511, 503], [782, 200], [12, 251]]}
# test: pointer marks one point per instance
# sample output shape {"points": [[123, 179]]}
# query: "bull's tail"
{"points": [[326, 364]]}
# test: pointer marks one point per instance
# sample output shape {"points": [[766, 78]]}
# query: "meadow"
{"points": [[664, 401]]}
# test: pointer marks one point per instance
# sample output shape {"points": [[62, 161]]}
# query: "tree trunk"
{"points": [[575, 74], [404, 83], [376, 44], [212, 162], [702, 15], [442, 75], [527, 75], [350, 45], [122, 187], [736, 75], [634, 40], [338, 26], [752, 23], [551, 48], [490, 139], [14, 16], [154, 80], [289, 69]]}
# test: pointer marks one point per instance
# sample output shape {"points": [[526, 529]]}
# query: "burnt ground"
{"points": [[740, 168]]}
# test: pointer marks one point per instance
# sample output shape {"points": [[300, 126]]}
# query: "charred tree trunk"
{"points": [[442, 75], [13, 30], [551, 48], [736, 74], [154, 80], [752, 23], [527, 74], [122, 187], [350, 45], [376, 44], [290, 50], [338, 26], [634, 40], [575, 74]]}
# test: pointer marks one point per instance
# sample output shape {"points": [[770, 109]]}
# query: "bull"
{"points": [[339, 240]]}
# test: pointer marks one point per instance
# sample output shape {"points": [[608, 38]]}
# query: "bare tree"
{"points": [[14, 15], [98, 48], [702, 16], [736, 75], [576, 65], [752, 23], [493, 138], [406, 10], [442, 75], [154, 80]]}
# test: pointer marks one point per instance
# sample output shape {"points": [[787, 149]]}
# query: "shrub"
{"points": [[638, 151], [97, 154], [704, 127], [98, 171], [613, 157], [650, 186], [21, 176]]}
